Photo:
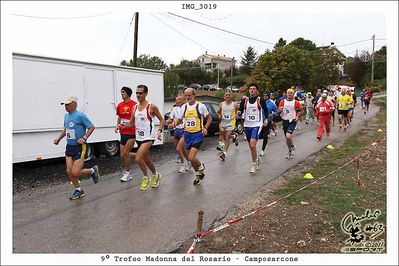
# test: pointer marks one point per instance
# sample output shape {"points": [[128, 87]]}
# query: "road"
{"points": [[118, 217]]}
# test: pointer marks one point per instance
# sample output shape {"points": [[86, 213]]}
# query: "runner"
{"points": [[178, 139], [77, 129], [362, 98], [331, 97], [351, 109], [323, 110], [143, 119], [227, 115], [128, 135], [272, 110], [193, 114], [343, 103], [309, 107], [367, 98], [290, 110], [253, 121]]}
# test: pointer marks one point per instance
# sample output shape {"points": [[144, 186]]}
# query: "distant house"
{"points": [[338, 52], [208, 61]]}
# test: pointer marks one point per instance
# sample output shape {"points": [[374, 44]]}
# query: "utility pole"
{"points": [[218, 74], [136, 31], [372, 61]]}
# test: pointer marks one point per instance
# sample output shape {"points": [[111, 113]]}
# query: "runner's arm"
{"points": [[60, 137]]}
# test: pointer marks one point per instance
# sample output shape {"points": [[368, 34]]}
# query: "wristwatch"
{"points": [[85, 138], [160, 130]]}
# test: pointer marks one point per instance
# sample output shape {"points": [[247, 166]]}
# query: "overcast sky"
{"points": [[101, 32]]}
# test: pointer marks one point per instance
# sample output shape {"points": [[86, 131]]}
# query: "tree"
{"points": [[146, 61], [380, 63], [282, 68], [301, 43], [248, 61], [171, 80], [281, 43]]}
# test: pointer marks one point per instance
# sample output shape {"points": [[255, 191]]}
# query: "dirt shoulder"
{"points": [[312, 220]]}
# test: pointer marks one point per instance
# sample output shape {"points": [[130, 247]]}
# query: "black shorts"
{"points": [[288, 126], [126, 137], [76, 151], [143, 141], [343, 112]]}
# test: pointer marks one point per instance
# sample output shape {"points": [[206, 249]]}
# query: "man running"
{"points": [[178, 139], [143, 119], [290, 111], [193, 114], [128, 135], [309, 107], [227, 114], [323, 113], [253, 121], [343, 103], [77, 129], [367, 98]]}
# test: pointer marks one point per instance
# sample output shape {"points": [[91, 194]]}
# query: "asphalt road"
{"points": [[117, 217]]}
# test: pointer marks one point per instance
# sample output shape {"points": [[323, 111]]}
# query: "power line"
{"points": [[38, 17], [123, 43], [182, 34], [240, 35], [352, 43]]}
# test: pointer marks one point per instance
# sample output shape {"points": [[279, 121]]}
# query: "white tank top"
{"points": [[253, 114], [289, 111], [144, 123], [228, 114]]}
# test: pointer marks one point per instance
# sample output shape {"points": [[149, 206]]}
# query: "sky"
{"points": [[100, 32], [103, 33]]}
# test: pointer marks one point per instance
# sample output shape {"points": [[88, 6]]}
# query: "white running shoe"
{"points": [[257, 164], [262, 153], [182, 168], [289, 155], [293, 150], [126, 177], [178, 159], [188, 166]]}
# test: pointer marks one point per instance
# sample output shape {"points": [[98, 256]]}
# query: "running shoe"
{"points": [[222, 156], [340, 127], [126, 177], [200, 176], [220, 147], [155, 180], [235, 139], [252, 170], [145, 183], [345, 128], [188, 166], [293, 150], [77, 194], [289, 155], [182, 168], [257, 164], [262, 153], [178, 159], [95, 174], [318, 138]]}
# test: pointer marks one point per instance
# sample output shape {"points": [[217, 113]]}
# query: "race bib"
{"points": [[124, 121], [341, 105], [251, 117], [227, 116], [322, 109], [191, 123], [70, 133], [140, 133]]}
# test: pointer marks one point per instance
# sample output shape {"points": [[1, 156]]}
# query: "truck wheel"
{"points": [[89, 152], [240, 128], [109, 148]]}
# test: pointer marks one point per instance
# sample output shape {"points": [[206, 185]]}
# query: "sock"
{"points": [[201, 168], [78, 188], [91, 170]]}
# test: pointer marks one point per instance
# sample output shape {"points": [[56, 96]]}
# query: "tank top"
{"points": [[228, 115], [193, 119], [144, 123], [289, 111], [253, 114]]}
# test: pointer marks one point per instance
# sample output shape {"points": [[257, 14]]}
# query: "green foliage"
{"points": [[281, 43], [146, 61], [301, 43], [282, 68], [171, 80], [325, 67], [248, 60]]}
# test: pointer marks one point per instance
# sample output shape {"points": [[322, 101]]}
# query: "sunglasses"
{"points": [[139, 93]]}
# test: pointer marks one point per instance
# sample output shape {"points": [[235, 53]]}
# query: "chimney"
{"points": [[206, 52], [332, 43]]}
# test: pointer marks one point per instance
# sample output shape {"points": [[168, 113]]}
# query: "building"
{"points": [[335, 50], [208, 61]]}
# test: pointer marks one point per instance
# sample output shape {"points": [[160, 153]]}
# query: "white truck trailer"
{"points": [[41, 83]]}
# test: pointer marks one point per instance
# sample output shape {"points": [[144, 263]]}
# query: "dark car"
{"points": [[181, 87], [207, 87], [214, 127], [195, 86]]}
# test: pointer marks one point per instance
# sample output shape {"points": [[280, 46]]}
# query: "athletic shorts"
{"points": [[227, 128], [252, 133], [144, 141], [126, 137], [288, 126], [367, 102], [343, 112], [193, 140], [179, 133], [76, 151]]}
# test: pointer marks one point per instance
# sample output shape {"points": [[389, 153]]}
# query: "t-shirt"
{"points": [[76, 124], [124, 111], [174, 114], [344, 102]]}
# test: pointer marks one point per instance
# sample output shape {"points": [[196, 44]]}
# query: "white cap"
{"points": [[69, 99]]}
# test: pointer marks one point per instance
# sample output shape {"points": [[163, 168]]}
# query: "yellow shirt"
{"points": [[344, 102]]}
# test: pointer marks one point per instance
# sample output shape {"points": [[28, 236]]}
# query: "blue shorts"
{"points": [[193, 139], [76, 151], [126, 137], [288, 126], [179, 132], [252, 133]]}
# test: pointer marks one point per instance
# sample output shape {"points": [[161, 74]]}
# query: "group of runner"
{"points": [[191, 120]]}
